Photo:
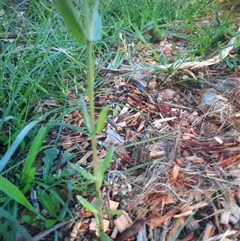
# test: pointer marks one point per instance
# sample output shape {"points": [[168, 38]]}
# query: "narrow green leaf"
{"points": [[96, 24], [29, 180], [64, 211], [14, 222], [106, 161], [46, 202], [7, 118], [98, 202], [56, 203], [134, 168], [148, 140], [69, 187], [104, 237], [96, 27], [34, 149], [82, 172], [17, 141], [236, 43], [86, 115], [87, 204], [13, 192], [14, 212], [100, 180], [49, 222], [3, 198], [118, 59], [27, 219], [102, 119], [50, 156], [105, 164], [71, 19], [67, 156], [5, 230], [51, 190]]}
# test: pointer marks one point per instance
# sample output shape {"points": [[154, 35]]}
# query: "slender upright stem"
{"points": [[90, 77]]}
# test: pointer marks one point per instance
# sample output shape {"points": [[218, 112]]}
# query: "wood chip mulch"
{"points": [[183, 183], [176, 167]]}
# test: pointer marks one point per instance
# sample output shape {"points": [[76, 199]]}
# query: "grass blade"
{"points": [[86, 115], [101, 120], [106, 161], [96, 24], [104, 237], [33, 152], [14, 193], [71, 19], [14, 222], [47, 202], [29, 180], [6, 119], [88, 176], [105, 164], [15, 144], [87, 205]]}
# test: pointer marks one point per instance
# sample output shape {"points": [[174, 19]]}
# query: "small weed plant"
{"points": [[90, 31]]}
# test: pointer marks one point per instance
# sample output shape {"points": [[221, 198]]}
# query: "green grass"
{"points": [[40, 60]]}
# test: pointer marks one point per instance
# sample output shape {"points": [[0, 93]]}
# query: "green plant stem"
{"points": [[90, 76]]}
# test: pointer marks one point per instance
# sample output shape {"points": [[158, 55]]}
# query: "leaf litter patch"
{"points": [[183, 185], [202, 160]]}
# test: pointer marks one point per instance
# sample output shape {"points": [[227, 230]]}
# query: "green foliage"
{"points": [[14, 222], [6, 158], [87, 205], [104, 165], [102, 119], [58, 208], [71, 19], [86, 115], [14, 193], [88, 176], [104, 237], [50, 203], [93, 29], [50, 155], [41, 61], [234, 61], [26, 218], [28, 168]]}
